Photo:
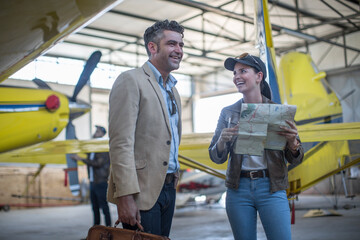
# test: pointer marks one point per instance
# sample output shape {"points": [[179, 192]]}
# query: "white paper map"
{"points": [[258, 127]]}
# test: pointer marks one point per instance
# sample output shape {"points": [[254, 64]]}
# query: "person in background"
{"points": [[255, 184], [144, 134], [98, 165]]}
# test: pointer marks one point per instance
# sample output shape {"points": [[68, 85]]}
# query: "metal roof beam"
{"points": [[339, 13], [325, 39], [198, 15], [346, 5], [154, 20], [303, 12], [208, 8], [137, 37], [244, 18], [130, 52], [330, 21]]}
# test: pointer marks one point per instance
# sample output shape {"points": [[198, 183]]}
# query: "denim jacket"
{"points": [[276, 159]]}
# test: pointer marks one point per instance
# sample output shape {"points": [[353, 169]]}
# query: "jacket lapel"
{"points": [[155, 85]]}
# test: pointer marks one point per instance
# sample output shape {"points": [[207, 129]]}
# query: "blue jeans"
{"points": [[254, 196], [158, 219], [98, 200]]}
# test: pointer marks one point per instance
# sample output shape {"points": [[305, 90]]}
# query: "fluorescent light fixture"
{"points": [[298, 34]]}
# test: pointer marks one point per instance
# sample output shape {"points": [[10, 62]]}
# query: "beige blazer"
{"points": [[140, 135]]}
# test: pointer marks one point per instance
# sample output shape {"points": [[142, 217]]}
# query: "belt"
{"points": [[255, 174], [170, 177]]}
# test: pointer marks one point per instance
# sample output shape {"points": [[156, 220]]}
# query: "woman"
{"points": [[255, 184]]}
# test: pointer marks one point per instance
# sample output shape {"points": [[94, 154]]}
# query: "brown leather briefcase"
{"points": [[100, 232]]}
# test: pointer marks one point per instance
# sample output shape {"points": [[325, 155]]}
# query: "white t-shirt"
{"points": [[252, 162]]}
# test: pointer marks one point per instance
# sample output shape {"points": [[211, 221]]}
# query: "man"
{"points": [[144, 132], [98, 171]]}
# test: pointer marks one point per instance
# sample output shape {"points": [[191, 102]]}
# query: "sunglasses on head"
{"points": [[244, 55]]}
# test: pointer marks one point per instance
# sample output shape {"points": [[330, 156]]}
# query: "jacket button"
{"points": [[164, 163], [168, 142]]}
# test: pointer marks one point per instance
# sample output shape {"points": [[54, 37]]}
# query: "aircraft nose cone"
{"points": [[78, 109], [52, 103]]}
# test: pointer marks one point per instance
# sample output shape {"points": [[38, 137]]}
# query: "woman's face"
{"points": [[246, 79]]}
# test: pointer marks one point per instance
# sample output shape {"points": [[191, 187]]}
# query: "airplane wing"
{"points": [[193, 153], [329, 132], [53, 152], [318, 165], [193, 146], [41, 27]]}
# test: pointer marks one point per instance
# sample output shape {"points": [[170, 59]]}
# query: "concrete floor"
{"points": [[202, 222]]}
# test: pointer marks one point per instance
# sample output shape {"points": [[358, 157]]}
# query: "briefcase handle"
{"points": [[137, 235], [100, 232], [140, 227]]}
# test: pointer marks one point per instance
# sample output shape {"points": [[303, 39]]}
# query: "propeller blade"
{"points": [[85, 75], [41, 84], [72, 172], [70, 131]]}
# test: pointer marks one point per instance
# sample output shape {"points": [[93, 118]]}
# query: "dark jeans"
{"points": [[158, 219], [98, 200]]}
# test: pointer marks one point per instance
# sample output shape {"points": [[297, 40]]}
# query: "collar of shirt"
{"points": [[171, 80]]}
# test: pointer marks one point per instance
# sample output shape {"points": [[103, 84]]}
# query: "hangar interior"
{"points": [[214, 30]]}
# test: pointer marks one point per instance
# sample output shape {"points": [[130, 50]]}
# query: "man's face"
{"points": [[98, 133], [166, 56]]}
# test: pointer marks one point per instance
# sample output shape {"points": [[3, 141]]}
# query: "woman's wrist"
{"points": [[220, 146], [295, 147]]}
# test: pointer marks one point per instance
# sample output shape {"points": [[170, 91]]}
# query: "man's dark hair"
{"points": [[155, 32], [101, 128]]}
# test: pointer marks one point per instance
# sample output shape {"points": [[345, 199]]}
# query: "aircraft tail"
{"points": [[296, 81], [266, 46]]}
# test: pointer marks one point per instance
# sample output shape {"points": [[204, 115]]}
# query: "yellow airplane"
{"points": [[30, 116], [47, 111], [319, 113], [328, 144]]}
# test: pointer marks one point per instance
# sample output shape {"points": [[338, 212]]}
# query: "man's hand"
{"points": [[76, 158], [128, 211]]}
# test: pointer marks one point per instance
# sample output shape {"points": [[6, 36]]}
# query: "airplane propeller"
{"points": [[90, 65], [41, 84], [85, 75], [71, 170], [77, 108]]}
